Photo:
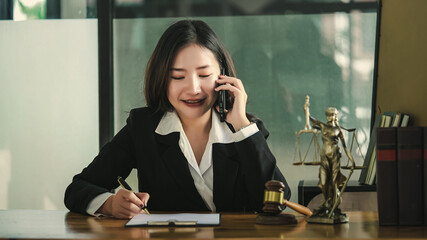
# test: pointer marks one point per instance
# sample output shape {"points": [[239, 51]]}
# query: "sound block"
{"points": [[279, 219]]}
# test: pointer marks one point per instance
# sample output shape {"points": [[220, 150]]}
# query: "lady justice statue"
{"points": [[331, 181]]}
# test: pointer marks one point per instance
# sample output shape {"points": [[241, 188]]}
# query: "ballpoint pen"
{"points": [[126, 186]]}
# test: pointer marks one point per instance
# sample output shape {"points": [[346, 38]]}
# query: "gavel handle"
{"points": [[298, 208]]}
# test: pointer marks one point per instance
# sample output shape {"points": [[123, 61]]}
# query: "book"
{"points": [[373, 175], [387, 176], [386, 120], [405, 120], [396, 120], [175, 220], [410, 175], [390, 119], [425, 175], [372, 163], [368, 155]]}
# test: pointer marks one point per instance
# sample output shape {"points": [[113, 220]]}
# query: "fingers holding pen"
{"points": [[127, 204], [144, 197]]}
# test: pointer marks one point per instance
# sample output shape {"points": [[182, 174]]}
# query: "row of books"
{"points": [[402, 175], [387, 119]]}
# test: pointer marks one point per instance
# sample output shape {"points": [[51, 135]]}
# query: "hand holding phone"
{"points": [[232, 107], [222, 101]]}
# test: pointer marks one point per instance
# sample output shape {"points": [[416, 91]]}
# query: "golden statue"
{"points": [[331, 181]]}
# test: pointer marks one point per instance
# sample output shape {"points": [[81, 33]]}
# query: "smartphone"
{"points": [[222, 101]]}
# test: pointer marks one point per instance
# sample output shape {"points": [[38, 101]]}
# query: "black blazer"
{"points": [[240, 169]]}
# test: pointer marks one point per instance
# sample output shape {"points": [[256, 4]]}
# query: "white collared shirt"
{"points": [[202, 174]]}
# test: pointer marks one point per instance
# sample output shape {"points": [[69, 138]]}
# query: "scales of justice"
{"points": [[328, 157]]}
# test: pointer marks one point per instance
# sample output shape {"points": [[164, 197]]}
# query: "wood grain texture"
{"points": [[19, 224]]}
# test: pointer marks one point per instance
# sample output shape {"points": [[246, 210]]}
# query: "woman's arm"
{"points": [[116, 158], [100, 176], [258, 167], [257, 161]]}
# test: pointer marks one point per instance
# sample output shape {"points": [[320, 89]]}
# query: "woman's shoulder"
{"points": [[145, 112], [141, 111], [144, 116]]}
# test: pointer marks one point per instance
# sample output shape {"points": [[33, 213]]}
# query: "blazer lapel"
{"points": [[225, 170], [177, 165]]}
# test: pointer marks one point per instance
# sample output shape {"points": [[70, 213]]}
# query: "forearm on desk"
{"points": [[94, 207]]}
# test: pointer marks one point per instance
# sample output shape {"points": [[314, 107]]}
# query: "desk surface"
{"points": [[17, 224]]}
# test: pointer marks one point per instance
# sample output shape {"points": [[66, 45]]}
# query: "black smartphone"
{"points": [[222, 101]]}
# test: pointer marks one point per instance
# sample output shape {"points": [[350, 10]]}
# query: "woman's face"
{"points": [[193, 79]]}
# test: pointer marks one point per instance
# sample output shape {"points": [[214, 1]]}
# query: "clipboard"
{"points": [[175, 220]]}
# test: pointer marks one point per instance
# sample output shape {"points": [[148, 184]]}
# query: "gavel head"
{"points": [[273, 197]]}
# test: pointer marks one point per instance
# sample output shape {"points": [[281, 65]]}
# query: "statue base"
{"points": [[321, 215], [275, 219]]}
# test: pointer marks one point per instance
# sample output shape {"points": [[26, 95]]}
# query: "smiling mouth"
{"points": [[193, 101]]}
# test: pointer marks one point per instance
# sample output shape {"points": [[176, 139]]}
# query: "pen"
{"points": [[127, 187]]}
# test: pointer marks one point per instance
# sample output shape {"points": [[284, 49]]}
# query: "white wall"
{"points": [[48, 109]]}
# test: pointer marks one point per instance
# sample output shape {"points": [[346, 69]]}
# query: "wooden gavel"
{"points": [[274, 198]]}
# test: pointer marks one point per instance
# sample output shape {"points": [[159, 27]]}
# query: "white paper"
{"points": [[199, 218]]}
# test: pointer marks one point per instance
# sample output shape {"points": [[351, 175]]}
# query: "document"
{"points": [[176, 220]]}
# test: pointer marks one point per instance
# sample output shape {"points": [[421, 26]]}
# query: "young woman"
{"points": [[187, 159]]}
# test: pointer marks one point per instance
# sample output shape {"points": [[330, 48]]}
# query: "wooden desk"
{"points": [[18, 224]]}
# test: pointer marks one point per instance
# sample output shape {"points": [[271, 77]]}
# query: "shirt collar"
{"points": [[169, 123], [219, 133]]}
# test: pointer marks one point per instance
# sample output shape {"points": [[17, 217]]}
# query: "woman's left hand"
{"points": [[236, 116]]}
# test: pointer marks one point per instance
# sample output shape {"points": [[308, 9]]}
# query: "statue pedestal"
{"points": [[322, 216]]}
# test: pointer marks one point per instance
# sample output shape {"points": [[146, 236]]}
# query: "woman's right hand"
{"points": [[125, 204]]}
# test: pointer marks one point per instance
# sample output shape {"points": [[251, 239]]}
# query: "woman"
{"points": [[187, 159]]}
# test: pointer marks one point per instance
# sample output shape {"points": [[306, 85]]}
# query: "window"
{"points": [[283, 51]]}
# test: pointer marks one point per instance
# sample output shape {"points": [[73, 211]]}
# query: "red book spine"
{"points": [[387, 176], [410, 175]]}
